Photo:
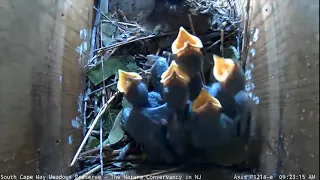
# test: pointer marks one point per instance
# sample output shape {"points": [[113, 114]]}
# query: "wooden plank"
{"points": [[41, 78], [285, 61]]}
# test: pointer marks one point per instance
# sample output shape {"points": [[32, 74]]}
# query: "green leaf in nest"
{"points": [[132, 66], [110, 67], [92, 143], [116, 133], [108, 119]]}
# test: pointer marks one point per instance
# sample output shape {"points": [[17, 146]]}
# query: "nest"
{"points": [[132, 44]]}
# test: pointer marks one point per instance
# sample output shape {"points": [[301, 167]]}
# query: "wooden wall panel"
{"points": [[283, 66], [41, 81]]}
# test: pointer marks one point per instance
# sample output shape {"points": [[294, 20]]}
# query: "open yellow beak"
{"points": [[174, 73], [126, 79], [185, 43], [223, 68], [205, 103]]}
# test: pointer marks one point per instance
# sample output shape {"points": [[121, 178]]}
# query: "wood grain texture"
{"points": [[284, 62], [41, 79]]}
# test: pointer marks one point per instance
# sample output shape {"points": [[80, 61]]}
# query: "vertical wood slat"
{"points": [[41, 78], [284, 64]]}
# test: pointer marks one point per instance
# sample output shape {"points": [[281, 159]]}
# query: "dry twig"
{"points": [[92, 151], [217, 42], [103, 102], [103, 109]]}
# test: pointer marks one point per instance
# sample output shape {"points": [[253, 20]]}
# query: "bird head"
{"points": [[205, 103], [175, 83], [222, 68], [185, 43], [174, 75], [126, 79], [187, 49], [229, 74]]}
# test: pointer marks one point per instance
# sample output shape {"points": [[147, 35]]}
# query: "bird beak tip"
{"points": [[217, 58], [223, 67], [184, 40], [174, 71], [173, 63], [121, 80]]}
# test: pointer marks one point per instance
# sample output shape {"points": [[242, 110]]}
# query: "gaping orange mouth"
{"points": [[205, 102], [185, 42], [174, 72], [126, 79], [222, 68]]}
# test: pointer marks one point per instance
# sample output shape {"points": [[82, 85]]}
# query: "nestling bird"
{"points": [[175, 83], [231, 81], [209, 127], [229, 74], [226, 99], [153, 137], [136, 92], [243, 110], [187, 49], [157, 69], [148, 126], [233, 151]]}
